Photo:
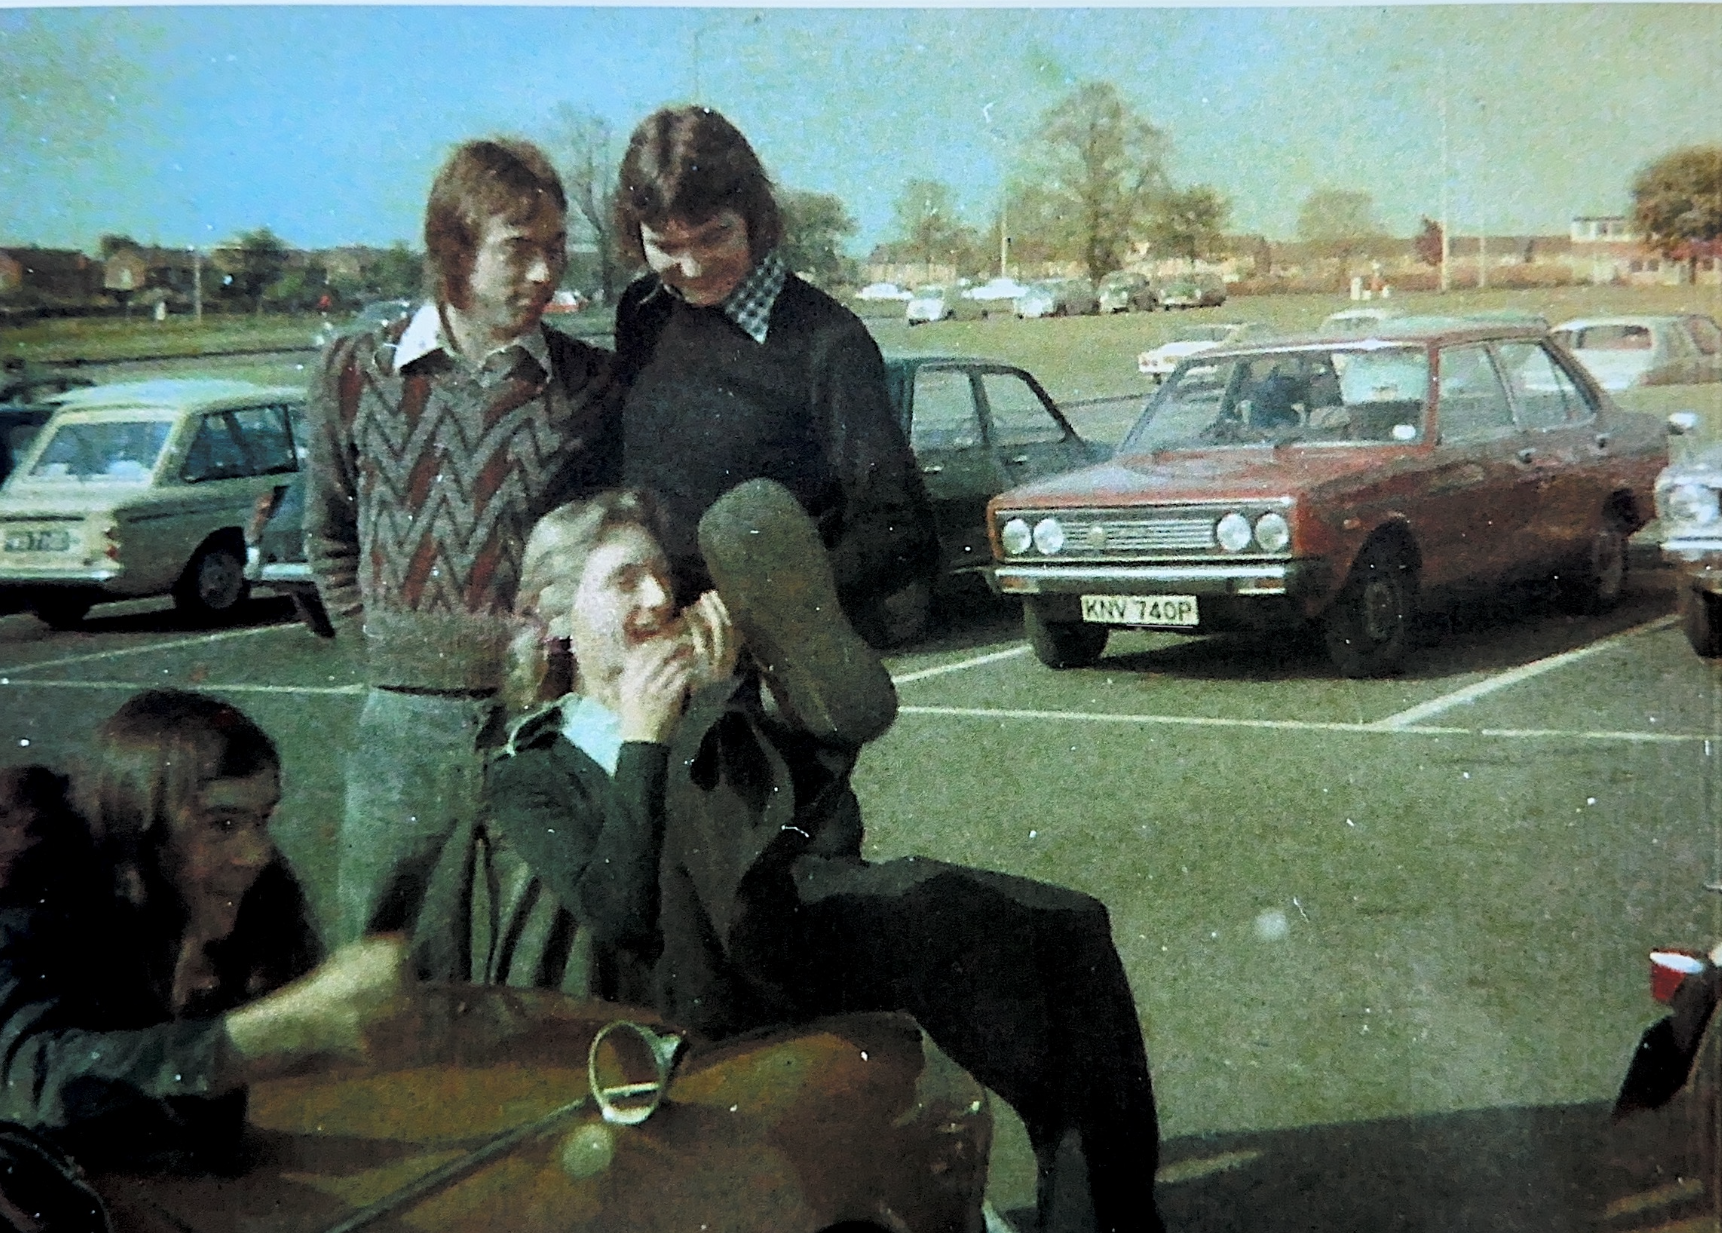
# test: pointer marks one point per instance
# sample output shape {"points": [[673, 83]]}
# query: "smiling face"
{"points": [[704, 261], [217, 845], [514, 273], [623, 600]]}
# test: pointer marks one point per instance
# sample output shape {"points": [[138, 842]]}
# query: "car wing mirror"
{"points": [[1683, 423]]}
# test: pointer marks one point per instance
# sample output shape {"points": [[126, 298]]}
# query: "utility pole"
{"points": [[197, 284], [1482, 210], [1004, 234], [1446, 230]]}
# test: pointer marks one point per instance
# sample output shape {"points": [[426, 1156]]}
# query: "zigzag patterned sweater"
{"points": [[424, 484]]}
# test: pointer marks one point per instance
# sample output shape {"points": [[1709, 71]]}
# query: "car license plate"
{"points": [[38, 541], [1174, 610]]}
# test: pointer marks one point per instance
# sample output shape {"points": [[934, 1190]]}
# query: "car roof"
{"points": [[1416, 331], [176, 393], [919, 359], [1585, 323]]}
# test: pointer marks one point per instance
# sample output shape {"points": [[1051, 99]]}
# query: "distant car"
{"points": [[938, 302], [882, 291], [142, 489], [1689, 518], [275, 557], [26, 402], [1203, 289], [1124, 291], [1627, 351], [369, 317], [996, 295], [1350, 322], [1334, 483], [566, 300], [1158, 362], [1057, 297]]}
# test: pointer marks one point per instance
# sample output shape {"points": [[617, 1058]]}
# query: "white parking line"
{"points": [[1304, 725], [1524, 672], [141, 648], [976, 662], [216, 687]]}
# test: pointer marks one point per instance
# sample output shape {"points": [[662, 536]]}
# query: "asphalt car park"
{"points": [[1387, 936]]}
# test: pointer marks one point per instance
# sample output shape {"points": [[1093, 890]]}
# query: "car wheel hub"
{"points": [[219, 580], [1380, 609], [1608, 563]]}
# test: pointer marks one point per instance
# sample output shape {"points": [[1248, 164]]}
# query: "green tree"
{"points": [[928, 224], [814, 228], [1338, 223], [1102, 165], [1677, 202], [298, 289], [260, 259], [1189, 223], [110, 244], [586, 152], [397, 273]]}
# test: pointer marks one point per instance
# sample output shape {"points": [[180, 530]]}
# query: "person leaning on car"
{"points": [[739, 370], [437, 442]]}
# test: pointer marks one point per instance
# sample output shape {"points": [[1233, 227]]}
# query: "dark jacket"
{"points": [[90, 1050], [708, 408], [556, 886]]}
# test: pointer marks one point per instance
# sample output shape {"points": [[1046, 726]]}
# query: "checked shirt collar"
{"points": [[424, 334], [750, 304]]}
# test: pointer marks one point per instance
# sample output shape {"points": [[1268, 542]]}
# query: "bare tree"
{"points": [[1677, 203], [587, 154], [1339, 223], [1103, 165], [814, 228], [928, 224]]}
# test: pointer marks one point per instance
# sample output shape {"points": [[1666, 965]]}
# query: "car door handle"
{"points": [[933, 469], [1018, 461], [1602, 440], [1527, 455]]}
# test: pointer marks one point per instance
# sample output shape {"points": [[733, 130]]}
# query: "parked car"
{"points": [[1203, 289], [484, 1108], [1351, 322], [1158, 362], [1124, 291], [369, 317], [996, 295], [1336, 482], [566, 300], [977, 427], [143, 489], [1622, 352], [1057, 297], [938, 302], [882, 291], [1689, 518], [27, 395]]}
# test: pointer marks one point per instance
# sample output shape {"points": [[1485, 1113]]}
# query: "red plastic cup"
{"points": [[1669, 966]]}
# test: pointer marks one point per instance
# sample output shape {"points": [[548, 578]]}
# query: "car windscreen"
{"points": [[1316, 398], [115, 450], [1612, 337], [1202, 333]]}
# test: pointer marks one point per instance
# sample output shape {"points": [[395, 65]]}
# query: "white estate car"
{"points": [[1192, 340], [1621, 352], [142, 489]]}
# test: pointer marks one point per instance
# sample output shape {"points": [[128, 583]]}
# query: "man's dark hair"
{"points": [[496, 177], [690, 164]]}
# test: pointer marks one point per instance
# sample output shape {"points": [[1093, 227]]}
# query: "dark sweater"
{"points": [[709, 408]]}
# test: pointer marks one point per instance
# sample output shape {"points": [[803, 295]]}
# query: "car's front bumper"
{"points": [[1235, 593], [1699, 558]]}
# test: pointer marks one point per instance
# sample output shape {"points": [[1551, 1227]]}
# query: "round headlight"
{"points": [[1048, 536], [1015, 536], [1273, 532], [1691, 503], [1233, 532]]}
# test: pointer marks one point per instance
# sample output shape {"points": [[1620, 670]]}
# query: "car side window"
{"points": [[1546, 396], [264, 436], [1705, 335], [945, 416], [1018, 415], [216, 452], [1473, 403]]}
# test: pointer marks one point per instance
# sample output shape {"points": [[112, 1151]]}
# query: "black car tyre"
{"points": [[1701, 613], [61, 611], [214, 582], [1595, 585], [1367, 626], [1063, 644]]}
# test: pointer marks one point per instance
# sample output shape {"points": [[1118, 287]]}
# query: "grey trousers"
{"points": [[414, 772]]}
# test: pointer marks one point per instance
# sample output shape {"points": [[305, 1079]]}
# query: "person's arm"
{"points": [[331, 483], [885, 537]]}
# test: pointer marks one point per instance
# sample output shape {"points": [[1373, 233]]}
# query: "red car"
{"points": [[1337, 482]]}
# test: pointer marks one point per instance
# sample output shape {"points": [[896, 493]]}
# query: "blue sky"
{"points": [[182, 125]]}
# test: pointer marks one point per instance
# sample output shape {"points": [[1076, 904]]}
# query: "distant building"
{"points": [[1607, 249], [57, 274]]}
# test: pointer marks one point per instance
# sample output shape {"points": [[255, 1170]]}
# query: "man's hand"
{"points": [[653, 687], [327, 1010], [712, 633]]}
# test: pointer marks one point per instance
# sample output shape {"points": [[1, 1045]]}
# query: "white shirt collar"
{"points": [[424, 334]]}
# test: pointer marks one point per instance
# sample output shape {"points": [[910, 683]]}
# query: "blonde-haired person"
{"points": [[142, 990], [555, 883]]}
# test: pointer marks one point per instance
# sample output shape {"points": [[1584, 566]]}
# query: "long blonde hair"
{"points": [[540, 665]]}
